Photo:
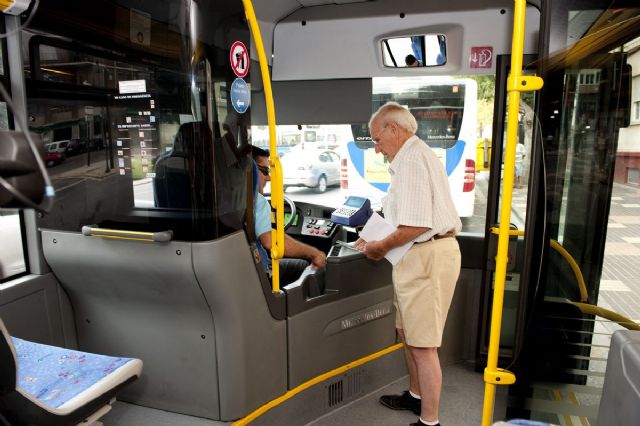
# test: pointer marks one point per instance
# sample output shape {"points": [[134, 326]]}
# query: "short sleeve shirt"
{"points": [[262, 225], [419, 192], [263, 215]]}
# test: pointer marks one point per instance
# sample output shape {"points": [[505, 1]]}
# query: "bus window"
{"points": [[445, 109], [310, 159], [139, 140]]}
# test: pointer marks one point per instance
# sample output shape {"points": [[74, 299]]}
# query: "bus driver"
{"points": [[290, 269]]}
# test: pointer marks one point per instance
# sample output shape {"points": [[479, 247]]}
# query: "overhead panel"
{"points": [[343, 41]]}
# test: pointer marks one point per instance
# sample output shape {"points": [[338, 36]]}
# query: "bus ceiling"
{"points": [[347, 40]]}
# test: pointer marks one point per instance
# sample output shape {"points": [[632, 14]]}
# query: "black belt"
{"points": [[448, 234]]}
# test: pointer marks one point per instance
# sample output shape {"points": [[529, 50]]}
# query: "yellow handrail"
{"points": [[586, 308], [584, 295], [277, 189], [515, 84], [312, 382]]}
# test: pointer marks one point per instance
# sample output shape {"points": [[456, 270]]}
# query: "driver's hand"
{"points": [[319, 259], [359, 244]]}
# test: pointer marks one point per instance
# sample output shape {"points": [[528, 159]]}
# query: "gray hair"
{"points": [[394, 112]]}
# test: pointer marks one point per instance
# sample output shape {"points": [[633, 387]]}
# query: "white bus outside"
{"points": [[445, 109]]}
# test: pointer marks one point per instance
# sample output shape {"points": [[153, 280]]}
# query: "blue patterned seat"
{"points": [[48, 385]]}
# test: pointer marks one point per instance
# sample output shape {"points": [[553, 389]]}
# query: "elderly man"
{"points": [[419, 204]]}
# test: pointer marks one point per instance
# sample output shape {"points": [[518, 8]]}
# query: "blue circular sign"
{"points": [[240, 95]]}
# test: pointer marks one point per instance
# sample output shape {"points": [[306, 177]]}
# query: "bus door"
{"points": [[516, 280], [582, 107]]}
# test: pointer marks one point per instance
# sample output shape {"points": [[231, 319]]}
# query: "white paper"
{"points": [[347, 245], [377, 228]]}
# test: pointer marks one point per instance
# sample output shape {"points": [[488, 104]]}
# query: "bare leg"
{"points": [[429, 375], [414, 385]]}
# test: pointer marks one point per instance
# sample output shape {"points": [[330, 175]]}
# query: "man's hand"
{"points": [[318, 259], [375, 250]]}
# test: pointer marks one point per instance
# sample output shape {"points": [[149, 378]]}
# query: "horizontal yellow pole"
{"points": [[118, 231], [124, 238], [625, 322]]}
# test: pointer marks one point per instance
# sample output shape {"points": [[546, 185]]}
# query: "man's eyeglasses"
{"points": [[376, 140], [264, 170]]}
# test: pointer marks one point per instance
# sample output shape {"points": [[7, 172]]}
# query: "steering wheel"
{"points": [[293, 215]]}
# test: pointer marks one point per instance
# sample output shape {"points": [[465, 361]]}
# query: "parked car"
{"points": [[53, 158], [311, 168], [75, 147], [57, 146]]}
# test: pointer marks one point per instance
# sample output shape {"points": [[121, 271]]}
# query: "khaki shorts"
{"points": [[424, 281]]}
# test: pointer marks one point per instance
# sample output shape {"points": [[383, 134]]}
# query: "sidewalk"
{"points": [[620, 282], [96, 171]]}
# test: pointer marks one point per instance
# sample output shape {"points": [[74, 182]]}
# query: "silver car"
{"points": [[311, 168]]}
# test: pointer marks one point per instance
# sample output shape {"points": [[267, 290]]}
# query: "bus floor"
{"points": [[460, 405]]}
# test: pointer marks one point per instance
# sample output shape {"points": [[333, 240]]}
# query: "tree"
{"points": [[486, 96]]}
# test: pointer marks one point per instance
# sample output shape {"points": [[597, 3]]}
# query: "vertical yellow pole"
{"points": [[515, 84], [277, 190]]}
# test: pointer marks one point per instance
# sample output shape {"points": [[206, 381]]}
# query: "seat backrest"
{"points": [[173, 184], [8, 370]]}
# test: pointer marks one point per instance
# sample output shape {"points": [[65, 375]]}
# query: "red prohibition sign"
{"points": [[239, 57]]}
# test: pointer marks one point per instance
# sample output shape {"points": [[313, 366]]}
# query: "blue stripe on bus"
{"points": [[453, 156]]}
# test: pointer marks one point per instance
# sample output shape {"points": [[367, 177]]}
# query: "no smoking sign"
{"points": [[239, 57]]}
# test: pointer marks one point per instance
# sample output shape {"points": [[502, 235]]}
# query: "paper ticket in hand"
{"points": [[377, 228]]}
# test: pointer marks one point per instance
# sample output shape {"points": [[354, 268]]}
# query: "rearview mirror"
{"points": [[427, 50]]}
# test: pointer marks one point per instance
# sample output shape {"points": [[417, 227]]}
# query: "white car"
{"points": [[311, 168], [59, 147]]}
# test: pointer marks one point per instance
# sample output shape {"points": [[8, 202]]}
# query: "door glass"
{"points": [[590, 147], [513, 278], [140, 127], [526, 122]]}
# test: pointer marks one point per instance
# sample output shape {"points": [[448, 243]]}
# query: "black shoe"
{"points": [[401, 402]]}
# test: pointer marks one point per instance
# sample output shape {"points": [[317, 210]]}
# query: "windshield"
{"points": [[438, 106]]}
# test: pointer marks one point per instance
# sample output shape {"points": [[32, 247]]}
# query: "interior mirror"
{"points": [[427, 50]]}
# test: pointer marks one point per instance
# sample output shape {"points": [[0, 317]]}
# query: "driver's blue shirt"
{"points": [[262, 225]]}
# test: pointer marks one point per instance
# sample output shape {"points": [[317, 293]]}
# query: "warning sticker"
{"points": [[239, 57]]}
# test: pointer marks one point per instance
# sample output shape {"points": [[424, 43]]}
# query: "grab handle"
{"points": [[156, 237]]}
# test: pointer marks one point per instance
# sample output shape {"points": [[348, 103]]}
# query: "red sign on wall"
{"points": [[481, 57], [239, 57]]}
